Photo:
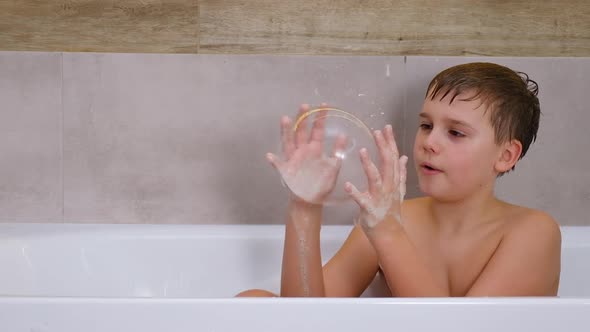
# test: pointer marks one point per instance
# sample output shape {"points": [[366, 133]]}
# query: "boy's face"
{"points": [[454, 150]]}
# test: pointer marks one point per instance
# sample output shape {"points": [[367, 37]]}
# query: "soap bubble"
{"points": [[343, 136]]}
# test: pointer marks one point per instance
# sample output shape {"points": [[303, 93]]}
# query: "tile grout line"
{"points": [[62, 140]]}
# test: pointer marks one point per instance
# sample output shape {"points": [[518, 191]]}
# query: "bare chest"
{"points": [[458, 261]]}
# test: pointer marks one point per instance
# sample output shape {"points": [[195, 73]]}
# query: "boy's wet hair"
{"points": [[511, 96]]}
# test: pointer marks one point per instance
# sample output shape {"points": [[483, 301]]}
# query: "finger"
{"points": [[403, 170], [395, 153], [373, 177], [319, 125], [338, 163], [391, 140], [386, 158], [356, 195], [301, 130], [339, 146], [274, 161], [287, 137]]}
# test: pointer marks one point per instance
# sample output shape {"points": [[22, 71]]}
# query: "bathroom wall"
{"points": [[155, 138], [335, 27]]}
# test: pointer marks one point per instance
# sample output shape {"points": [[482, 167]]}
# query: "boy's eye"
{"points": [[456, 133], [425, 126]]}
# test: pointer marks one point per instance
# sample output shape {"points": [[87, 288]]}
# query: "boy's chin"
{"points": [[437, 193], [427, 190]]}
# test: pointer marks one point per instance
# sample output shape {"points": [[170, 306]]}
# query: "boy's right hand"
{"points": [[309, 174]]}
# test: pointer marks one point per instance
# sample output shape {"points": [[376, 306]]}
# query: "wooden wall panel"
{"points": [[354, 27], [169, 26], [410, 27]]}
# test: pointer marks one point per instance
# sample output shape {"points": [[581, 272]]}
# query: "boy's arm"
{"points": [[526, 263], [352, 268], [305, 161], [347, 274], [405, 271], [302, 262]]}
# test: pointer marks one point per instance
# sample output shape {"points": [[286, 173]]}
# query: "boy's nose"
{"points": [[431, 144]]}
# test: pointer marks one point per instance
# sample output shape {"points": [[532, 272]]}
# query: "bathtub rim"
{"points": [[411, 301], [577, 235]]}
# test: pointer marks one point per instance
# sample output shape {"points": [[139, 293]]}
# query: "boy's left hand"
{"points": [[386, 185]]}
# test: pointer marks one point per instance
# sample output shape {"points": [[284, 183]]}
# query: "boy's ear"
{"points": [[509, 155]]}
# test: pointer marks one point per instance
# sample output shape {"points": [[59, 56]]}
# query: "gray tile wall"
{"points": [[148, 138], [30, 137]]}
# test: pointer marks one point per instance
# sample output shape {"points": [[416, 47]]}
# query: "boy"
{"points": [[477, 121]]}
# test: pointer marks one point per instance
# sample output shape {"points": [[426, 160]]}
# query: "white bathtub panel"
{"points": [[184, 261], [156, 315]]}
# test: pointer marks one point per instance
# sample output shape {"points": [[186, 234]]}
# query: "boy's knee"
{"points": [[256, 293]]}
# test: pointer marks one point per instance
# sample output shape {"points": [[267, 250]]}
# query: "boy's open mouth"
{"points": [[429, 167]]}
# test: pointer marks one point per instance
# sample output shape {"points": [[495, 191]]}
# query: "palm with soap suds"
{"points": [[306, 170], [386, 185]]}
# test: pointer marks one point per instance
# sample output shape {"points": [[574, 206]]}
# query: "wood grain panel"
{"points": [[353, 27], [378, 27], [169, 26]]}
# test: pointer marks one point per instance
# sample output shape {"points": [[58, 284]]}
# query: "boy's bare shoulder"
{"points": [[534, 225], [514, 219]]}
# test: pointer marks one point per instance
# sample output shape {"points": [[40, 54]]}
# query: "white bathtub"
{"points": [[66, 277]]}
